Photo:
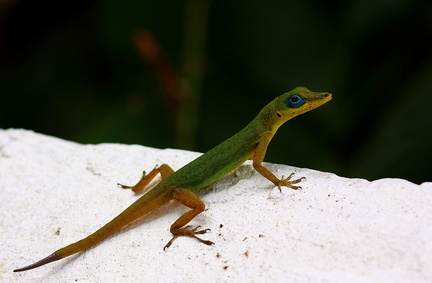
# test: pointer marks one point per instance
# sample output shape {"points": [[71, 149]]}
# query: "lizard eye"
{"points": [[295, 101]]}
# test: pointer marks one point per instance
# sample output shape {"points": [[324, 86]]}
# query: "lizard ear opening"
{"points": [[278, 114], [295, 101]]}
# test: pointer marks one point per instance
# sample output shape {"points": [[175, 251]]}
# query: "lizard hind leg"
{"points": [[165, 170], [179, 228]]}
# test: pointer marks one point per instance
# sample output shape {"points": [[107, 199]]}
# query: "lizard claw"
{"points": [[130, 187], [287, 183], [186, 231]]}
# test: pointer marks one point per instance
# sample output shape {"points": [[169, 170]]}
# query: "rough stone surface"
{"points": [[54, 192]]}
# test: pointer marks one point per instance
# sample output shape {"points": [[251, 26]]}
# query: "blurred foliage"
{"points": [[75, 70]]}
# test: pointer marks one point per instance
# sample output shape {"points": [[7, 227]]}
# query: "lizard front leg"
{"points": [[258, 157]]}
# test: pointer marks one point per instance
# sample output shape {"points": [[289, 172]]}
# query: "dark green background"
{"points": [[71, 70]]}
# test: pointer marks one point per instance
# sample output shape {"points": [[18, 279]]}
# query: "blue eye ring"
{"points": [[295, 101]]}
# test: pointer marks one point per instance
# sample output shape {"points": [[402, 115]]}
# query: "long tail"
{"points": [[52, 257], [139, 208]]}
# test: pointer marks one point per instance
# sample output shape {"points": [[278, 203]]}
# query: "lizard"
{"points": [[249, 143]]}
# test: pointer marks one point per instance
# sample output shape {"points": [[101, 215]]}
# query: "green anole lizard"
{"points": [[250, 143]]}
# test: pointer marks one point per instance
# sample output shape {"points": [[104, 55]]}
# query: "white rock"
{"points": [[55, 192]]}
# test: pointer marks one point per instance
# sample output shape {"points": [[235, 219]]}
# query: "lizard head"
{"points": [[298, 101]]}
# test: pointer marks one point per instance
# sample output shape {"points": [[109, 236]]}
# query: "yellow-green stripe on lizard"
{"points": [[250, 143]]}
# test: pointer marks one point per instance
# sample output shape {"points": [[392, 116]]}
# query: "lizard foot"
{"points": [[191, 233], [287, 183], [132, 187]]}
